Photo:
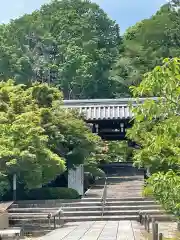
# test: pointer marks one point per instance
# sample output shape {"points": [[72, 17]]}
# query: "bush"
{"points": [[52, 193], [42, 193], [166, 190], [88, 180], [96, 172], [147, 191]]}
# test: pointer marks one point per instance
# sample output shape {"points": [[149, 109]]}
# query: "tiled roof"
{"points": [[103, 109]]}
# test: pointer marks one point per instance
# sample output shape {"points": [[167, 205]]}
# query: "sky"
{"points": [[125, 12]]}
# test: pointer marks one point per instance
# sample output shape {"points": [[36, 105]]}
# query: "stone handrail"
{"points": [[53, 216], [104, 195]]}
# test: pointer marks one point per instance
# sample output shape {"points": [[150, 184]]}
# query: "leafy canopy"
{"points": [[156, 130], [145, 45], [70, 44], [38, 136]]}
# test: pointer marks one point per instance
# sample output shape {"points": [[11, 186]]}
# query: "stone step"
{"points": [[83, 204], [28, 224], [110, 203], [108, 199], [134, 199], [44, 203], [114, 218], [107, 208], [32, 210], [35, 230], [38, 222], [130, 203], [36, 205], [99, 218], [16, 221], [30, 204], [88, 199], [86, 203], [117, 212], [78, 204], [28, 215], [30, 221], [86, 210], [50, 201]]}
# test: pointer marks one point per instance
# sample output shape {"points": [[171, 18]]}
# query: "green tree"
{"points": [[71, 44], [145, 45], [24, 146], [118, 151], [156, 130], [154, 39], [38, 136]]}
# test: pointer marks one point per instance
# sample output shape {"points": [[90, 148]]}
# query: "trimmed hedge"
{"points": [[52, 193], [42, 194]]}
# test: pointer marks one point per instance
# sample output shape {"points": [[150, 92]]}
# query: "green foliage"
{"points": [[115, 151], [96, 172], [70, 44], [52, 193], [147, 191], [119, 151], [23, 144], [38, 136], [89, 179], [166, 188], [76, 47], [145, 45], [156, 130]]}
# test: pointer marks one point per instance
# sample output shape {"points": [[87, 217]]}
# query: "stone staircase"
{"points": [[33, 217], [123, 202], [114, 209]]}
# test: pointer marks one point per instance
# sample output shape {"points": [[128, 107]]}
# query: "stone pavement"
{"points": [[169, 229], [119, 186], [125, 186], [122, 186], [98, 230], [96, 191]]}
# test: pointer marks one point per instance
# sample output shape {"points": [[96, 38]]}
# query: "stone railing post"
{"points": [[154, 231]]}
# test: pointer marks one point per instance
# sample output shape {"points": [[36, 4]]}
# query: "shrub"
{"points": [[96, 172], [42, 193], [147, 191], [52, 193], [88, 180], [166, 190]]}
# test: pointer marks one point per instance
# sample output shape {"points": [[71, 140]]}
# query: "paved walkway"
{"points": [[125, 186], [97, 190], [122, 186], [105, 230], [169, 229]]}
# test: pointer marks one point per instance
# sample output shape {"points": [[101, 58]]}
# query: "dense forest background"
{"points": [[74, 45]]}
